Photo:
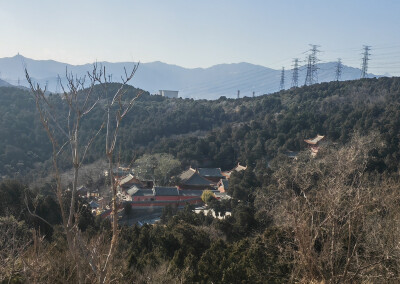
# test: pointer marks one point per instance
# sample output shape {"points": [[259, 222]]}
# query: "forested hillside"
{"points": [[215, 133], [325, 219]]}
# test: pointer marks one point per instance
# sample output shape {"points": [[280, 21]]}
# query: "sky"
{"points": [[193, 33]]}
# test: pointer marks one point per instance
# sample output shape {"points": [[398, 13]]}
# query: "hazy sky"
{"points": [[194, 33]]}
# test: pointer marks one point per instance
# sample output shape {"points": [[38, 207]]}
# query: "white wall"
{"points": [[169, 94]]}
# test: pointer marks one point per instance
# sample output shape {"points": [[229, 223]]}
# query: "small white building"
{"points": [[206, 210], [169, 94]]}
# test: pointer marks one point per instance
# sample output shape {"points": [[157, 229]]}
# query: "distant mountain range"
{"points": [[197, 83], [4, 83]]}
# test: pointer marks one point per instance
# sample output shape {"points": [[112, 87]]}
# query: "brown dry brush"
{"points": [[344, 218], [14, 240]]}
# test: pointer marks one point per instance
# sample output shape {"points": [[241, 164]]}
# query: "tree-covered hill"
{"points": [[331, 218], [217, 133], [263, 127]]}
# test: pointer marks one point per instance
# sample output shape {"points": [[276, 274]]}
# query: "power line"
{"points": [[380, 62]]}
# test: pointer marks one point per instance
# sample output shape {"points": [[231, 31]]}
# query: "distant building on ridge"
{"points": [[169, 94]]}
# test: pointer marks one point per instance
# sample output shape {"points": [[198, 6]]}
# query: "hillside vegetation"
{"points": [[332, 218], [215, 133]]}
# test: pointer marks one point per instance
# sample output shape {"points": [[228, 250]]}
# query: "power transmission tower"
{"points": [[282, 85], [365, 59], [254, 94], [308, 80], [312, 68], [314, 61], [58, 85], [295, 74], [338, 69], [238, 94]]}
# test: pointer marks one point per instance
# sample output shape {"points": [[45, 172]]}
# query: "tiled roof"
{"points": [[210, 172], [135, 191], [187, 174], [196, 179], [126, 179], [165, 191], [239, 168], [222, 195], [314, 140], [82, 188], [188, 192]]}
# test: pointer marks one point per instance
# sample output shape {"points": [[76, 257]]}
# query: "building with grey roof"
{"points": [[191, 179], [212, 174], [165, 191]]}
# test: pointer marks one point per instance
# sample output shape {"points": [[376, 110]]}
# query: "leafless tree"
{"points": [[79, 99], [117, 107]]}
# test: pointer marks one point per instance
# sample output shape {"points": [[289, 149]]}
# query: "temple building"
{"points": [[238, 168], [191, 179], [314, 143]]}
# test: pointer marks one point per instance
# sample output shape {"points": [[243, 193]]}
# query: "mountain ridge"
{"points": [[4, 84], [199, 83]]}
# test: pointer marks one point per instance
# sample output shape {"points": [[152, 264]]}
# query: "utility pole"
{"points": [[365, 59], [282, 85], [238, 94], [338, 69], [295, 74]]}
